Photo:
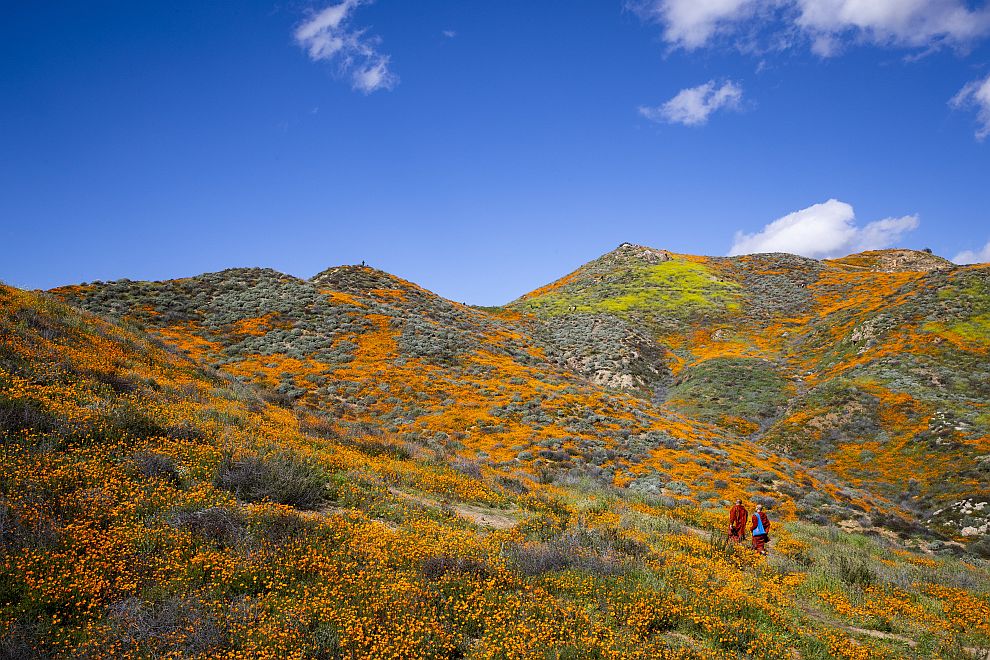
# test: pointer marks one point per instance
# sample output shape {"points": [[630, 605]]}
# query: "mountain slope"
{"points": [[362, 347], [153, 506], [874, 366], [856, 387]]}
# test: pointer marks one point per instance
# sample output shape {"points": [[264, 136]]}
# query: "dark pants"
{"points": [[760, 542]]}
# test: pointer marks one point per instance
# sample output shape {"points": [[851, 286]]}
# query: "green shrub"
{"points": [[599, 551], [131, 420], [157, 466], [20, 414], [220, 525], [179, 626], [854, 572], [281, 477], [434, 568]]}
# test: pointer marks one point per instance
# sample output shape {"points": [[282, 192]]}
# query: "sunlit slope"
{"points": [[359, 346], [151, 506], [873, 366]]}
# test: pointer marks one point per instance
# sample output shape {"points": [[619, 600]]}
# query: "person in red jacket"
{"points": [[759, 527], [737, 522]]}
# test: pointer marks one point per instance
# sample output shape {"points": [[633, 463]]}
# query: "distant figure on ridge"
{"points": [[759, 527], [737, 522]]}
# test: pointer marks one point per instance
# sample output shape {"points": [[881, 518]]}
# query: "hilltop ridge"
{"points": [[895, 260]]}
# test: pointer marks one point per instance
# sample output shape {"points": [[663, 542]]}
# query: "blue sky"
{"points": [[482, 149]]}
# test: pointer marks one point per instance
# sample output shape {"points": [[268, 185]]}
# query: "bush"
{"points": [[281, 398], [383, 448], [512, 484], [467, 467], [719, 545], [539, 558], [178, 625], [902, 526], [157, 466], [281, 477], [184, 431], [324, 642], [18, 531], [20, 641], [980, 548], [221, 525], [19, 414], [767, 501], [321, 426], [131, 421], [119, 382], [854, 572], [279, 527], [436, 567], [600, 551]]}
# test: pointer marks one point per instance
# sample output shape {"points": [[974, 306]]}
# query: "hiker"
{"points": [[737, 522], [759, 527]]}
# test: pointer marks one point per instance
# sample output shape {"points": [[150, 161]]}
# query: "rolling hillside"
{"points": [[248, 464], [362, 347], [848, 390], [154, 506], [874, 367]]}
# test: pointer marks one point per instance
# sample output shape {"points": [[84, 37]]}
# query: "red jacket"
{"points": [[737, 517]]}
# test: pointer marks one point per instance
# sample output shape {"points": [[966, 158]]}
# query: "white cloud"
{"points": [[976, 95], [823, 230], [980, 256], [693, 106], [691, 23], [328, 36], [911, 23], [450, 34], [825, 24]]}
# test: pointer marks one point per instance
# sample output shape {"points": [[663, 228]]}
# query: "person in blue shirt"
{"points": [[759, 527]]}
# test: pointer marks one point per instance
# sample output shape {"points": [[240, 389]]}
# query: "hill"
{"points": [[361, 347], [850, 390], [153, 505], [873, 366]]}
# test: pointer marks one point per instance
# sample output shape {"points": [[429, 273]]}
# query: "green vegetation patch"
{"points": [[749, 388], [680, 288], [969, 314], [976, 329]]}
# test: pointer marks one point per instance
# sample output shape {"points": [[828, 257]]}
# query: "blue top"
{"points": [[759, 525]]}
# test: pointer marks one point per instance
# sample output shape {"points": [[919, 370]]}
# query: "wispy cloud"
{"points": [[980, 256], [690, 24], [328, 36], [693, 106], [826, 25], [976, 94], [450, 34], [904, 23], [823, 230]]}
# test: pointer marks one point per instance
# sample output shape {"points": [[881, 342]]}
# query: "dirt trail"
{"points": [[329, 510], [482, 516], [822, 618]]}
